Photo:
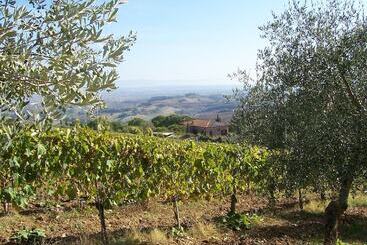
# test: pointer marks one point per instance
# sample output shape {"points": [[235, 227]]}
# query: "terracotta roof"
{"points": [[203, 123]]}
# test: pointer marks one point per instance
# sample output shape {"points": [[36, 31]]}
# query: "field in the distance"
{"points": [[195, 105], [151, 223], [205, 103]]}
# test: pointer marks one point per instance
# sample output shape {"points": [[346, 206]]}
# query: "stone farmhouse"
{"points": [[206, 127]]}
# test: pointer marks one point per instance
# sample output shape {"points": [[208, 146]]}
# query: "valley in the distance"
{"points": [[148, 102]]}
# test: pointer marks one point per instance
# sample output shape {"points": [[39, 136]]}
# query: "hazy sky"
{"points": [[192, 41]]}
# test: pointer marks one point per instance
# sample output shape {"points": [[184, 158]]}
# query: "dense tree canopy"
{"points": [[310, 98], [166, 121], [137, 122]]}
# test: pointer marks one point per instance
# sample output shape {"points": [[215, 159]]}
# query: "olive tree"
{"points": [[57, 54], [310, 98], [53, 55]]}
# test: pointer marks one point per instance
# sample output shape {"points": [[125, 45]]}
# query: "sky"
{"points": [[196, 42]]}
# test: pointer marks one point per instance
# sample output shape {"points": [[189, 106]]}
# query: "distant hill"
{"points": [[146, 102], [192, 104]]}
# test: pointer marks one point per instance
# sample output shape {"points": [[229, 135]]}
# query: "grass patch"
{"points": [[204, 231], [315, 206], [358, 201], [158, 237], [154, 237], [355, 232], [125, 241]]}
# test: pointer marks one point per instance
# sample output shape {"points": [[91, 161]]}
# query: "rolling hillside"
{"points": [[192, 104]]}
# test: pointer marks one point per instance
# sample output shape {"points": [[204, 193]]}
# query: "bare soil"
{"points": [[152, 223]]}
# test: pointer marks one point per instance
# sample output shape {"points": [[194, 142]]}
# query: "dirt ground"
{"points": [[153, 222]]}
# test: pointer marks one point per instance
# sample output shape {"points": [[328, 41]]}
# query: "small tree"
{"points": [[310, 98], [55, 54], [167, 121], [138, 122]]}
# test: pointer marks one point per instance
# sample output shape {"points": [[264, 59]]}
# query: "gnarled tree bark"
{"points": [[335, 210]]}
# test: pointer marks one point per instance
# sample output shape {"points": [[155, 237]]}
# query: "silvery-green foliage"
{"points": [[57, 54], [310, 94]]}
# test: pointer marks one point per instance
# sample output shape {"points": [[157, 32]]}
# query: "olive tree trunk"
{"points": [[334, 212]]}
